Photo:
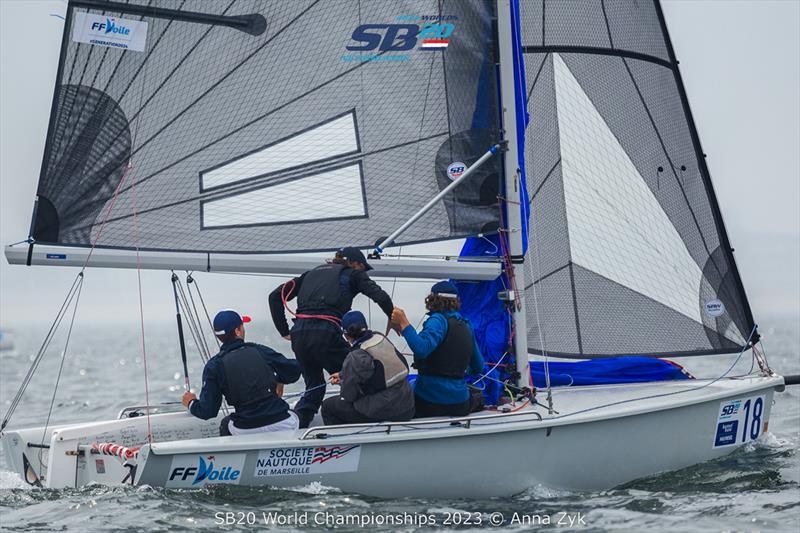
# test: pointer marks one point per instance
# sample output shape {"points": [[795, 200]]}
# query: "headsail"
{"points": [[310, 124], [627, 250]]}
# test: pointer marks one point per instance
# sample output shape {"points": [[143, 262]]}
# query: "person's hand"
{"points": [[335, 379], [279, 390], [399, 320], [288, 337], [188, 397]]}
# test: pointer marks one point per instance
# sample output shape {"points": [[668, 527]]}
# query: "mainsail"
{"points": [[627, 252], [264, 126]]}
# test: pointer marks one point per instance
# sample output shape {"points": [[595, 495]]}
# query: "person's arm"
{"points": [[356, 370], [431, 336], [276, 307], [207, 406], [476, 362], [286, 370], [370, 289]]}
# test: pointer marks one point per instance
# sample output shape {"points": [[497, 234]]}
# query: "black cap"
{"points": [[354, 254]]}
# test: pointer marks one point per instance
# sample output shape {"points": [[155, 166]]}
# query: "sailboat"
{"points": [[554, 138]]}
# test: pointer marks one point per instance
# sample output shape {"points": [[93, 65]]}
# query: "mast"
{"points": [[513, 188]]}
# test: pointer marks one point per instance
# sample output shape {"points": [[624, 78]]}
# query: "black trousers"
{"points": [[336, 411], [317, 347], [425, 409]]}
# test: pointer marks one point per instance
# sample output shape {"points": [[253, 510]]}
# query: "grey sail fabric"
{"points": [[627, 250], [267, 137]]}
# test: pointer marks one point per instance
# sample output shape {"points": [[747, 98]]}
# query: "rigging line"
{"points": [[195, 316], [63, 358], [190, 321], [537, 254], [189, 280], [139, 268], [40, 353]]}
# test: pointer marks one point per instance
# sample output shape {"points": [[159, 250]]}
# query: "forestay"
{"points": [[250, 126], [627, 250]]}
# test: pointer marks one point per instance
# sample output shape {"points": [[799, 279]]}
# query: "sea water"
{"points": [[754, 489]]}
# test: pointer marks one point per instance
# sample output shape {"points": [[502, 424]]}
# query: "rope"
{"points": [[63, 358], [117, 450], [42, 349], [190, 279], [336, 321]]}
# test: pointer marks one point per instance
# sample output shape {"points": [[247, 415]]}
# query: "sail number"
{"points": [[739, 421]]}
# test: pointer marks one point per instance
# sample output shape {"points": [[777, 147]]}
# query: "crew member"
{"points": [[324, 295], [444, 351], [373, 380], [251, 378]]}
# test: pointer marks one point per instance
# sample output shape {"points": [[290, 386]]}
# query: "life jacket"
{"points": [[250, 379], [382, 350], [451, 358], [321, 290]]}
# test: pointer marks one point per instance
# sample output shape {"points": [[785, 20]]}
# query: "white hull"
{"points": [[590, 445]]}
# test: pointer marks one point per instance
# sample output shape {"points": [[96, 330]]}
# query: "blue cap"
{"points": [[354, 254], [445, 288], [228, 320], [353, 318]]}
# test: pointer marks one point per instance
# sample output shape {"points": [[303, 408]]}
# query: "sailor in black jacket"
{"points": [[250, 376], [324, 295]]}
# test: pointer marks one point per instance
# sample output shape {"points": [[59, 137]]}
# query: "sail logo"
{"points": [[305, 461], [116, 32], [199, 470], [383, 39], [110, 27], [456, 169], [714, 308], [324, 454]]}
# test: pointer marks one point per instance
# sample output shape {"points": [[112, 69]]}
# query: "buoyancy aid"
{"points": [[321, 290], [250, 379], [381, 349], [451, 358]]}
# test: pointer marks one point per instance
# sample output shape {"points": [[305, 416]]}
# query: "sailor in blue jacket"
{"points": [[250, 376], [444, 351]]}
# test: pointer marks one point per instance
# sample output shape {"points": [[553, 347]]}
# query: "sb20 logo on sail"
{"points": [[400, 37]]}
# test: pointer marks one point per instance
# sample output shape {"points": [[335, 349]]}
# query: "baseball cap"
{"points": [[353, 318], [228, 320], [354, 254], [445, 288]]}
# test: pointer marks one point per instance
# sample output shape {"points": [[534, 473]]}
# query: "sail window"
{"points": [[333, 138], [329, 195], [617, 227]]}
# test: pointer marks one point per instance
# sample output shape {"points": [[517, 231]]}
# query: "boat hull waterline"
{"points": [[585, 447]]}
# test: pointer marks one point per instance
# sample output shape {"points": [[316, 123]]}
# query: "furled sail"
{"points": [[267, 125], [627, 252]]}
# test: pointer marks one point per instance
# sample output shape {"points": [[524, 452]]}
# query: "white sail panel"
{"points": [[333, 138], [617, 227], [334, 194]]}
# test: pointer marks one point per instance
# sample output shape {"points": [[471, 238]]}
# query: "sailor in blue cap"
{"points": [[373, 384], [444, 352], [250, 376], [324, 295]]}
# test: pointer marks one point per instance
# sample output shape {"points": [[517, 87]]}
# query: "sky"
{"points": [[740, 62]]}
